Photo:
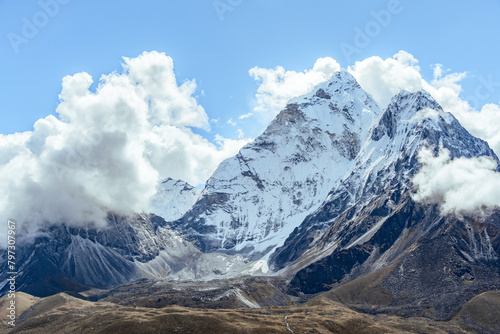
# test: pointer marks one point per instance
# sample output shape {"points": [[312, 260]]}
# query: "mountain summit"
{"points": [[256, 199], [324, 195]]}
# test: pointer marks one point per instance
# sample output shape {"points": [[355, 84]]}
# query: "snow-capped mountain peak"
{"points": [[173, 199], [255, 199]]}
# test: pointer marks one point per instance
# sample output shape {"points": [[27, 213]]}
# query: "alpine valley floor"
{"points": [[63, 313]]}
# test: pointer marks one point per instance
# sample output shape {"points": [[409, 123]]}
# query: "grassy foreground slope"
{"points": [[63, 313]]}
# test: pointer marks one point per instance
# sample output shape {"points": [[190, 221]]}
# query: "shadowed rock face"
{"points": [[73, 259], [438, 263], [330, 270]]}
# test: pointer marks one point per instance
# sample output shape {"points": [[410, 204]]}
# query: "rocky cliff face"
{"points": [[64, 258]]}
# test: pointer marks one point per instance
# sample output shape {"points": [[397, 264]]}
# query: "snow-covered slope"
{"points": [[173, 199], [381, 175], [256, 199]]}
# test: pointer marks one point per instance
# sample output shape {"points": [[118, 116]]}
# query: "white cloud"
{"points": [[108, 149], [450, 81], [426, 113], [459, 184], [385, 78], [278, 86], [484, 124], [230, 145], [246, 116]]}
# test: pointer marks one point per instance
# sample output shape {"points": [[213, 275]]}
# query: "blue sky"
{"points": [[217, 49]]}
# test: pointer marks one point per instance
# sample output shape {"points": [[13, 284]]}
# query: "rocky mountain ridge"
{"points": [[254, 200]]}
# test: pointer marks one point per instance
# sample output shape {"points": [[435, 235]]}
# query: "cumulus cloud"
{"points": [[385, 78], [107, 150], [484, 124], [277, 86], [458, 185]]}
